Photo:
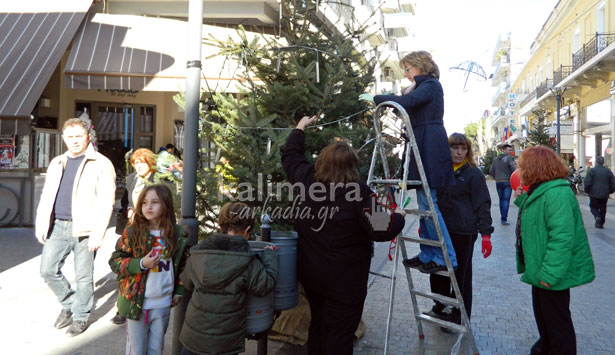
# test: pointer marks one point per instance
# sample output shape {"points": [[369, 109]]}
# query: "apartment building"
{"points": [[572, 67]]}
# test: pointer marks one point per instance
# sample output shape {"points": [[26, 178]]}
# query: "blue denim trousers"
{"points": [[428, 230], [57, 248], [504, 192], [146, 335]]}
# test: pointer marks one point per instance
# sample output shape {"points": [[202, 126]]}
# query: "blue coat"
{"points": [[425, 106]]}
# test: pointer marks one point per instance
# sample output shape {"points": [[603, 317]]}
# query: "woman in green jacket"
{"points": [[552, 248]]}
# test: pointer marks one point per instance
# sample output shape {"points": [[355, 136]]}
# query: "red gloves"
{"points": [[486, 245]]}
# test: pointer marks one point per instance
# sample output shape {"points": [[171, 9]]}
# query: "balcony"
{"points": [[501, 95], [498, 116], [543, 88], [599, 42], [501, 48], [561, 73], [528, 98], [501, 70]]}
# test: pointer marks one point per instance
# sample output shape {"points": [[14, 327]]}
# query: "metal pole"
{"points": [[612, 132], [261, 346], [558, 99], [191, 122]]}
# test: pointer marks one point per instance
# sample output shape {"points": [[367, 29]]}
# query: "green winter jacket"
{"points": [[553, 237], [222, 271], [131, 279]]}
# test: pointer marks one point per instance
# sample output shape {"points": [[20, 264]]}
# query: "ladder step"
{"points": [[394, 182], [433, 243], [417, 212], [450, 325], [379, 274], [437, 297]]}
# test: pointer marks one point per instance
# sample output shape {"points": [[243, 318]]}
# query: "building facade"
{"points": [[121, 62], [572, 67]]}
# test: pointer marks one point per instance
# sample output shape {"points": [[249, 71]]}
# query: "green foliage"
{"points": [[538, 134], [247, 132], [471, 131], [490, 154]]}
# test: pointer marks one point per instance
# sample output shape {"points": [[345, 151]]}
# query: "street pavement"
{"points": [[502, 317]]}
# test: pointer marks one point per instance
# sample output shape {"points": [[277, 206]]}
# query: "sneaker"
{"points": [[505, 223], [431, 268], [454, 317], [64, 319], [118, 319], [413, 262], [78, 327]]}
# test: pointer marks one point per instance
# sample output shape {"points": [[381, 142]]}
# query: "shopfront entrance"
{"points": [[120, 129]]}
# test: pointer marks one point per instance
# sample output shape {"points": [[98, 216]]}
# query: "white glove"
{"points": [[366, 97]]}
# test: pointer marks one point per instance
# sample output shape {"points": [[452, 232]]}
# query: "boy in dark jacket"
{"points": [[222, 271]]}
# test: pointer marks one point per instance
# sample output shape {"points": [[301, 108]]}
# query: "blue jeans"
{"points": [[504, 192], [57, 248], [428, 230], [146, 335]]}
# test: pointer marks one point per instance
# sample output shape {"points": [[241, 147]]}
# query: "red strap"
{"points": [[392, 247]]}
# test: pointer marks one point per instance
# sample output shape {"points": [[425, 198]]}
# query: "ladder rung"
{"points": [[437, 297], [394, 182], [454, 326], [433, 243], [417, 212], [379, 274]]}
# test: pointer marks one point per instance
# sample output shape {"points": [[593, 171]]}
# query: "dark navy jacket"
{"points": [[425, 106], [333, 258], [466, 206]]}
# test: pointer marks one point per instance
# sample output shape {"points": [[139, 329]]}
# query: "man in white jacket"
{"points": [[72, 216]]}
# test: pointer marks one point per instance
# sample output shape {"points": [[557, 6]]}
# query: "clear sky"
{"points": [[454, 31]]}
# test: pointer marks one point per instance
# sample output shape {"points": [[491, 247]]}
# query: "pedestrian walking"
{"points": [[599, 184], [424, 102], [466, 208], [222, 271], [553, 252], [334, 250], [502, 167], [148, 258], [72, 216]]}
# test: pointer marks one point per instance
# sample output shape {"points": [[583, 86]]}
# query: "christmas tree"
{"points": [[539, 134], [307, 71]]}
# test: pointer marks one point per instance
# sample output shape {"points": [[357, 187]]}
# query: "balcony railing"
{"points": [[561, 73], [599, 42], [528, 98], [543, 88]]}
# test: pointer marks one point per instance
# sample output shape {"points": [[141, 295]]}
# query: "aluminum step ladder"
{"points": [[394, 136]]}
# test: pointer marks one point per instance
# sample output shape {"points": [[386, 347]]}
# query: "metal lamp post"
{"points": [[558, 92], [191, 121]]}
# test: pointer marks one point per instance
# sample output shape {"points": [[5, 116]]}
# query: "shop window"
{"points": [[14, 143]]}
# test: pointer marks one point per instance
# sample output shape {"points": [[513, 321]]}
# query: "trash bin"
{"points": [[286, 293], [259, 309]]}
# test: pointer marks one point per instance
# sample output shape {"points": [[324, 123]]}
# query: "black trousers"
{"points": [[552, 314], [332, 326], [464, 248], [597, 206]]}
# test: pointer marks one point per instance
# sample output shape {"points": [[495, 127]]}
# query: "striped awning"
{"points": [[34, 34], [126, 52]]}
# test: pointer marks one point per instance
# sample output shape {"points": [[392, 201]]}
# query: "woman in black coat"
{"points": [[424, 103], [334, 246], [466, 207]]}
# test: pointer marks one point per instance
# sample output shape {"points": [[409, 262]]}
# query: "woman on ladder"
{"points": [[424, 103]]}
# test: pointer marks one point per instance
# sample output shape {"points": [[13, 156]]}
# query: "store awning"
{"points": [[34, 34], [126, 52]]}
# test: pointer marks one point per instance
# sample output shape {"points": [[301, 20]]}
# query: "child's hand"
{"points": [[176, 300], [149, 260]]}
